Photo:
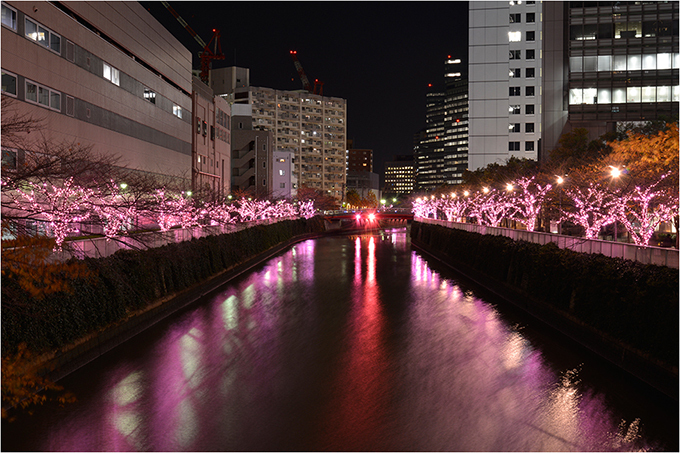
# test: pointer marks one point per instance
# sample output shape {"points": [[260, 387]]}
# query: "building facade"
{"points": [[623, 63], [311, 126], [360, 160], [211, 143], [541, 69], [105, 74], [284, 184], [251, 154], [399, 176], [505, 65], [441, 153]]}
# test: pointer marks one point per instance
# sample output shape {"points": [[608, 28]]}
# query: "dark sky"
{"points": [[379, 56]]}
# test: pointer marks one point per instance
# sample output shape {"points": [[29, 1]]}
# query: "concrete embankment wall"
{"points": [[625, 312]]}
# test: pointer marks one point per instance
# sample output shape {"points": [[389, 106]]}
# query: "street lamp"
{"points": [[615, 172], [560, 180]]}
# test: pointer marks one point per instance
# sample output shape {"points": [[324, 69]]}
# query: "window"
{"points": [[531, 54], [205, 128], [515, 110], [531, 17], [111, 74], [516, 73], [529, 109], [282, 185], [530, 91], [198, 125], [9, 83], [177, 111], [212, 133], [9, 17], [514, 127], [514, 36], [531, 36], [529, 127], [264, 164], [515, 91], [149, 95], [515, 55], [264, 182], [515, 18], [40, 34], [531, 73], [282, 172], [513, 146], [42, 95], [528, 146]]}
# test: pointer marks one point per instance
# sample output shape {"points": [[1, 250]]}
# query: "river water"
{"points": [[349, 343]]}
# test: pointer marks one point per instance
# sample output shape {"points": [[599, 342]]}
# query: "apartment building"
{"points": [[311, 126], [284, 183], [105, 74]]}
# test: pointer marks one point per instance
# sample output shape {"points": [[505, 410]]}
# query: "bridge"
{"points": [[368, 218]]}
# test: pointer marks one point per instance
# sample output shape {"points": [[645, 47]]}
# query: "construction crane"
{"points": [[207, 55], [318, 86]]}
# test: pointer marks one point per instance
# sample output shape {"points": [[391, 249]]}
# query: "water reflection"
{"points": [[344, 343]]}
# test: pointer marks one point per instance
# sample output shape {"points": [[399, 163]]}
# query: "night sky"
{"points": [[379, 56]]}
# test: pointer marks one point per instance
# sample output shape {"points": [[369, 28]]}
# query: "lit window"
{"points": [[515, 55], [177, 111], [514, 36], [149, 95], [515, 73], [515, 110], [9, 17], [515, 18], [515, 127], [40, 34], [282, 172], [111, 74]]}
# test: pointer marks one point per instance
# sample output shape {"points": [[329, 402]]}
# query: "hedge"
{"points": [[130, 280], [632, 302]]}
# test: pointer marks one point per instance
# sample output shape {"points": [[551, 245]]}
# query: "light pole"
{"points": [[615, 172], [560, 180]]}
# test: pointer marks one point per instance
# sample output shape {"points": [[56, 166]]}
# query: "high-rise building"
{"points": [[505, 85], [312, 126], [399, 175], [540, 69], [623, 63], [440, 156], [360, 160], [105, 74]]}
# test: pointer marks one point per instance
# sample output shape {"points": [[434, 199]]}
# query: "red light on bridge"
{"points": [[371, 217], [358, 216]]}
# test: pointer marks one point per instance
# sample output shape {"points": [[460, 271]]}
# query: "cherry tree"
{"points": [[424, 207], [593, 207], [490, 207], [644, 209], [454, 207], [306, 209], [61, 206], [528, 201]]}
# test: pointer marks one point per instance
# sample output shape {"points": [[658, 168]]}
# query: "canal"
{"points": [[350, 343]]}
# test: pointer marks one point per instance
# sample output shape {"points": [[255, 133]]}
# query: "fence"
{"points": [[647, 255], [101, 247]]}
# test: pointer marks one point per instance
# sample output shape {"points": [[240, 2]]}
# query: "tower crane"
{"points": [[318, 86], [207, 55]]}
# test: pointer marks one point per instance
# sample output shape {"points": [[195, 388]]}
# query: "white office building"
{"points": [[505, 81]]}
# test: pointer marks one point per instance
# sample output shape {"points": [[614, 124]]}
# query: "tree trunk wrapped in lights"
{"points": [[529, 201]]}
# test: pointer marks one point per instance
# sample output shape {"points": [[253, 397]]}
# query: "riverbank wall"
{"points": [[133, 290], [624, 311]]}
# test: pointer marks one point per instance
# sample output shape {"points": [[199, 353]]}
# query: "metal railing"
{"points": [[647, 255]]}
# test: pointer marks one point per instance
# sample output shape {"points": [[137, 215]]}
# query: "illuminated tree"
{"points": [[490, 207], [454, 207], [644, 209], [527, 201], [593, 207]]}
